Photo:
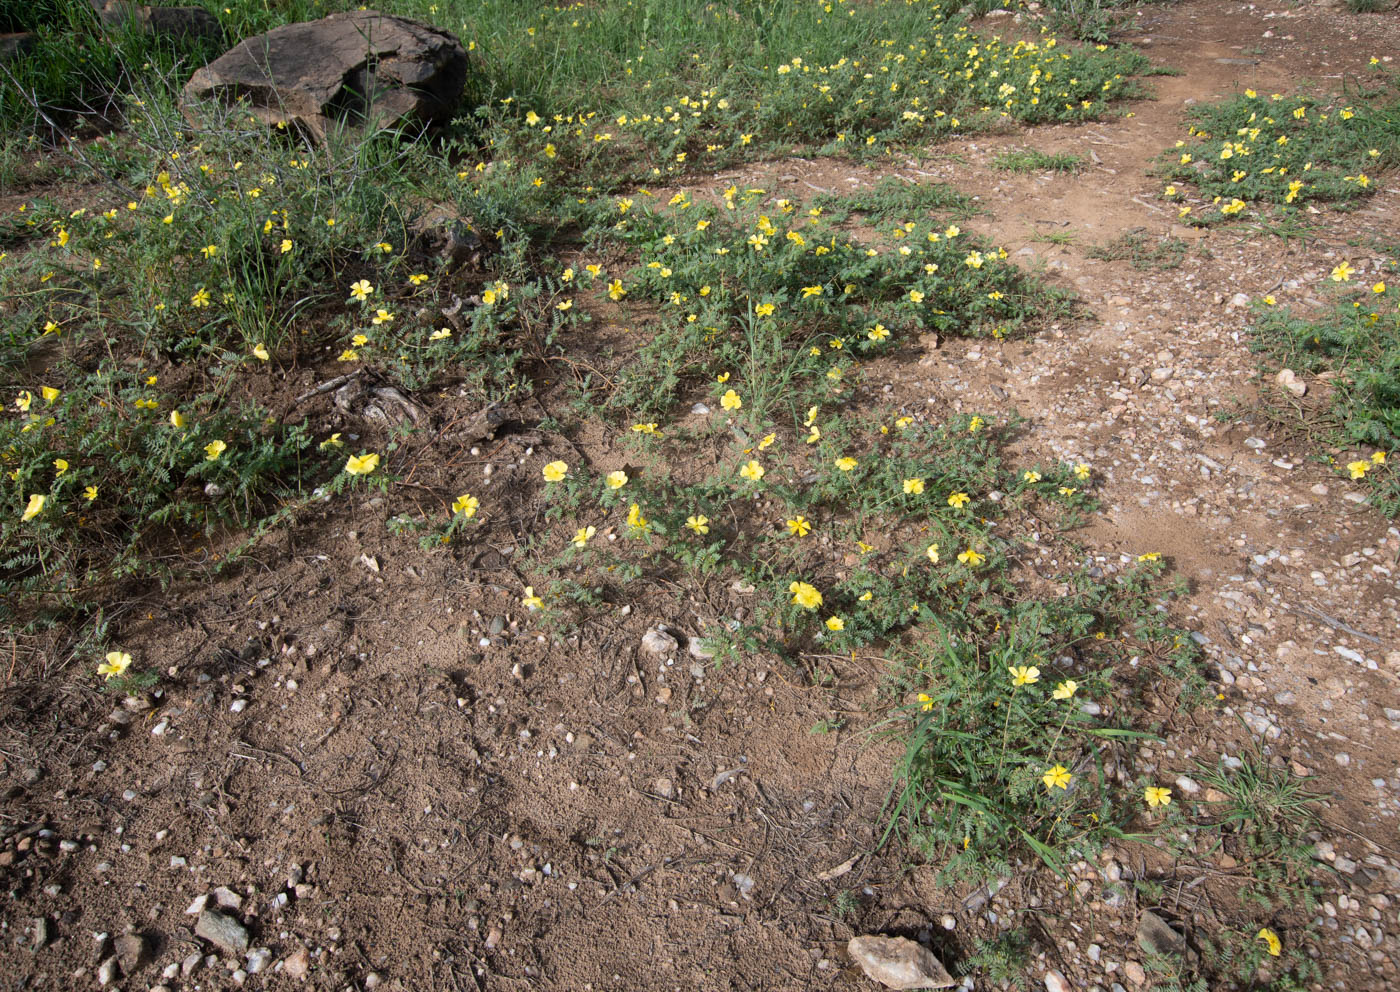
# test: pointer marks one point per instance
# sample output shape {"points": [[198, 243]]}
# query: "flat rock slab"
{"points": [[899, 963], [359, 68]]}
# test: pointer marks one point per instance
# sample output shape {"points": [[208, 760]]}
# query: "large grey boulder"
{"points": [[359, 68]]}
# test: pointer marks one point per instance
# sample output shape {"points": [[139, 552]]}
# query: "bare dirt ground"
{"points": [[403, 783]]}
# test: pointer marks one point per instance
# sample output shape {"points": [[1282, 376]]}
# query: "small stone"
{"points": [[131, 952], [899, 963], [1290, 382], [1155, 936], [107, 971], [226, 898], [1239, 300], [258, 958], [1342, 758], [297, 964], [1187, 785], [659, 643], [41, 933], [700, 649], [1055, 982], [191, 964], [1135, 972], [224, 932], [664, 788]]}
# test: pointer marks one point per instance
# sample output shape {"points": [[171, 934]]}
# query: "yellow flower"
{"points": [[764, 309], [593, 269], [915, 296], [530, 601], [35, 507], [913, 486], [286, 245], [1150, 556], [90, 493], [975, 424], [835, 623], [767, 441], [1358, 469], [362, 464], [1067, 491], [811, 291], [213, 450], [348, 355], [846, 463], [488, 297], [440, 334], [805, 596], [722, 378], [466, 505], [959, 500], [1031, 476], [635, 520], [1057, 778], [615, 480], [200, 298], [260, 351], [382, 317], [361, 290], [1378, 288], [731, 400], [1082, 471], [932, 552], [50, 394], [1378, 458], [116, 663], [1342, 273], [1271, 938], [925, 702], [582, 536], [1024, 674], [799, 526], [649, 428], [752, 471], [555, 471], [60, 466], [333, 441], [699, 523], [1156, 796], [972, 557], [1066, 689], [209, 251], [615, 290], [878, 333], [953, 231]]}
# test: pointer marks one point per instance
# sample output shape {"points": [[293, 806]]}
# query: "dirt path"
{"points": [[405, 785]]}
